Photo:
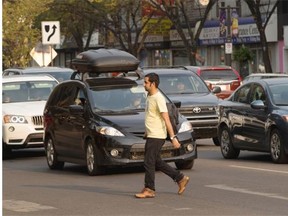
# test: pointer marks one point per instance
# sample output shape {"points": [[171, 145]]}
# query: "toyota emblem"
{"points": [[196, 109]]}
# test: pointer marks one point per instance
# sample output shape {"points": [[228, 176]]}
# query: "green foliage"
{"points": [[19, 33], [243, 54]]}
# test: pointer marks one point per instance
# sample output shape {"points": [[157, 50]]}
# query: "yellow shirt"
{"points": [[154, 123]]}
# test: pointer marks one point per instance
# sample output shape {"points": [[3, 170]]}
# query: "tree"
{"points": [[262, 11], [177, 11], [122, 19], [19, 33]]}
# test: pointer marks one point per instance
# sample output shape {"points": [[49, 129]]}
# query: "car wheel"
{"points": [[7, 153], [216, 141], [277, 148], [91, 159], [51, 155], [184, 164], [227, 149]]}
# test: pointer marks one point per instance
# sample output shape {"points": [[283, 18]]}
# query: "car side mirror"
{"points": [[76, 109], [216, 90], [257, 104], [177, 104]]}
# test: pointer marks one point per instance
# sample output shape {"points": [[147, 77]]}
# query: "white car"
{"points": [[23, 101]]}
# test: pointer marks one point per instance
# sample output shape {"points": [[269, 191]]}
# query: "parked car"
{"points": [[257, 76], [255, 118], [23, 101], [59, 73], [99, 121], [198, 104], [226, 77]]}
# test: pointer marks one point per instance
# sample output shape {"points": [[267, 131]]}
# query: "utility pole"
{"points": [[228, 42]]}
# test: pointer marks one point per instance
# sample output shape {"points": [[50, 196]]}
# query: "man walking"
{"points": [[157, 123]]}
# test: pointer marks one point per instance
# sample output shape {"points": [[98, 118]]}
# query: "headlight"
{"points": [[110, 131], [15, 119], [185, 126], [217, 110]]}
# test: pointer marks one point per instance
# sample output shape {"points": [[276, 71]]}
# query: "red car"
{"points": [[226, 77]]}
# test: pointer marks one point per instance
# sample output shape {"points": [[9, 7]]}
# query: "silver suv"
{"points": [[58, 73]]}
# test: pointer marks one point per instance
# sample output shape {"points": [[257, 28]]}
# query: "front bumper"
{"points": [[134, 155], [22, 135]]}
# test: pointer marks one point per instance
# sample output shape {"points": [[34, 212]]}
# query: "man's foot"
{"points": [[146, 193], [182, 184]]}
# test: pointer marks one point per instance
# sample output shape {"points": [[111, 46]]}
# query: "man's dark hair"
{"points": [[153, 77]]}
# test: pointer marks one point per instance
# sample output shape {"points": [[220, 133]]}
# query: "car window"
{"points": [[257, 93], [218, 75], [280, 94], [60, 76], [241, 95], [184, 84], [26, 91], [11, 73], [80, 98], [65, 96]]}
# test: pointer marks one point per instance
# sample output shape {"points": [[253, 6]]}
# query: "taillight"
{"points": [[234, 85]]}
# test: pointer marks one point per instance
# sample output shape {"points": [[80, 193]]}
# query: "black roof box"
{"points": [[105, 61]]}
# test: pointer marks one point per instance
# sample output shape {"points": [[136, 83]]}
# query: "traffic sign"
{"points": [[43, 54], [50, 32], [228, 48]]}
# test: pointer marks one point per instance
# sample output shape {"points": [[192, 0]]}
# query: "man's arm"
{"points": [[170, 130]]}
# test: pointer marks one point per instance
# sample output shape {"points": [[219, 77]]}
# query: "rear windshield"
{"points": [[218, 75]]}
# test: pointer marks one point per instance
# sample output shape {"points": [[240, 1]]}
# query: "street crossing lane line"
{"points": [[24, 206], [241, 190], [260, 169]]}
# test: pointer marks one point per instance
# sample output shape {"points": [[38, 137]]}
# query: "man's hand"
{"points": [[175, 143]]}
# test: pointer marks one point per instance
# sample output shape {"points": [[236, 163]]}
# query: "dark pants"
{"points": [[153, 161]]}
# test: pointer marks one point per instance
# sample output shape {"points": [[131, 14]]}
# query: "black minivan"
{"points": [[98, 121]]}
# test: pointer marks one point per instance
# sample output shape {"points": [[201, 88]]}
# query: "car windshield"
{"points": [[119, 99], [182, 84], [280, 94], [26, 91], [224, 75]]}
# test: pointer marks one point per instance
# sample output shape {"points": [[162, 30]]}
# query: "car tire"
{"points": [[6, 153], [91, 159], [227, 149], [184, 165], [51, 155], [277, 148], [216, 141]]}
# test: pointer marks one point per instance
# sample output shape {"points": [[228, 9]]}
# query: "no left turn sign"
{"points": [[51, 32]]}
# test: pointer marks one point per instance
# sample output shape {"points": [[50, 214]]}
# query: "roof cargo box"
{"points": [[105, 61]]}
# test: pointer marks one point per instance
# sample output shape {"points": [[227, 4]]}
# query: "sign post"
{"points": [[50, 36]]}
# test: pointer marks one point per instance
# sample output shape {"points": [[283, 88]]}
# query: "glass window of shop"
{"points": [[161, 57]]}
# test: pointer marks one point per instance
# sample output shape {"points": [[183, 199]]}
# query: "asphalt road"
{"points": [[250, 185]]}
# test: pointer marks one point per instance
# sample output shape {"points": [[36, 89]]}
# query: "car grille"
{"points": [[37, 120], [167, 151], [200, 115]]}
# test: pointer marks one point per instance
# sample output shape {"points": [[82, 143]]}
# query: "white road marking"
{"points": [[241, 190], [24, 206], [254, 168]]}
